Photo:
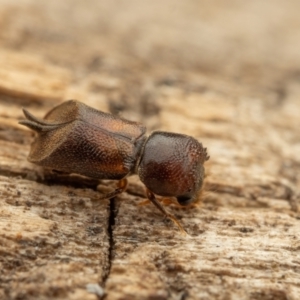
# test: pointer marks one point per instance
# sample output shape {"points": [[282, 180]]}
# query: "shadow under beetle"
{"points": [[75, 138]]}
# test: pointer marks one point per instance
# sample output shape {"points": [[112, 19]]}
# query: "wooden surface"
{"points": [[226, 73]]}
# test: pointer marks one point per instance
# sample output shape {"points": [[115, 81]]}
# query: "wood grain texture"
{"points": [[227, 75]]}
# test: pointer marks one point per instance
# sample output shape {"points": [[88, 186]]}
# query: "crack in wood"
{"points": [[110, 228]]}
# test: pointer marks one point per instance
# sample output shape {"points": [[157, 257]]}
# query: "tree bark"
{"points": [[57, 240]]}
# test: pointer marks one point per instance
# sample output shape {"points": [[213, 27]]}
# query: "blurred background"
{"points": [[205, 68], [146, 43]]}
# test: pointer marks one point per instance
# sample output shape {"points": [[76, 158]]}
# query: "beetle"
{"points": [[76, 138]]}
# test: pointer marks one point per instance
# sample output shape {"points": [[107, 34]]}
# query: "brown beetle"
{"points": [[75, 138]]}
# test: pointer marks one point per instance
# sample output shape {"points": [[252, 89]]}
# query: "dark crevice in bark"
{"points": [[110, 228]]}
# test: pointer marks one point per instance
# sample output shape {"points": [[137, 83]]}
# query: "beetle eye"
{"points": [[184, 200]]}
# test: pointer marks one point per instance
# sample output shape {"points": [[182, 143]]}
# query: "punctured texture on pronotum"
{"points": [[172, 165]]}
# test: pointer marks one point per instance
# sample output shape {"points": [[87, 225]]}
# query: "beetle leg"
{"points": [[143, 203], [168, 201], [164, 201], [152, 198], [122, 185]]}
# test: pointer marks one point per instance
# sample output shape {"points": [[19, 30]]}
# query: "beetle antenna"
{"points": [[152, 198]]}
